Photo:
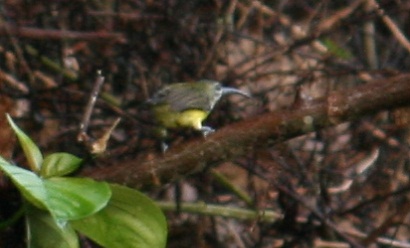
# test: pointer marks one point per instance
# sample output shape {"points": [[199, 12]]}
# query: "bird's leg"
{"points": [[161, 134], [164, 146], [206, 130]]}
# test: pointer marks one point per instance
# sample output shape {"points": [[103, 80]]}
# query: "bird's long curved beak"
{"points": [[229, 91]]}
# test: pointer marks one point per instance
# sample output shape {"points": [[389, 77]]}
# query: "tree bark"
{"points": [[238, 139]]}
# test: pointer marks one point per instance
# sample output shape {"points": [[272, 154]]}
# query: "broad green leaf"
{"points": [[43, 232], [129, 220], [2, 160], [33, 154], [28, 183], [59, 164], [74, 198]]}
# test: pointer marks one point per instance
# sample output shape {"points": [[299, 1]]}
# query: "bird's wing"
{"points": [[184, 98]]}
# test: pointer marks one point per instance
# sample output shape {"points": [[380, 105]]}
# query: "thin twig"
{"points": [[369, 39], [52, 34], [82, 135], [401, 38], [267, 216]]}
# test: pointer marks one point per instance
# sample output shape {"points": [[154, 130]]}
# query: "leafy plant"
{"points": [[56, 206]]}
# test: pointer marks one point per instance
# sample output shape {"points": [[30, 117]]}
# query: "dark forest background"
{"points": [[339, 186]]}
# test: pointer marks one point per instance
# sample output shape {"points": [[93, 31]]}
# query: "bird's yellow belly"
{"points": [[189, 118]]}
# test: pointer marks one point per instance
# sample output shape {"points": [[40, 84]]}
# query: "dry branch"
{"points": [[238, 139], [52, 34]]}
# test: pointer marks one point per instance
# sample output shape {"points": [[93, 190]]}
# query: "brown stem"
{"points": [[235, 140], [52, 34]]}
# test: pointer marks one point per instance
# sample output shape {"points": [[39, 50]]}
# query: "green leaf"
{"points": [[59, 164], [3, 161], [75, 198], [43, 232], [129, 220], [33, 154], [65, 198], [336, 49], [28, 183]]}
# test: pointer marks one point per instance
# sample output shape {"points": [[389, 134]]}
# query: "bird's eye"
{"points": [[218, 87]]}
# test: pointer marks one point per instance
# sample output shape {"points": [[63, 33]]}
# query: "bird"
{"points": [[187, 105]]}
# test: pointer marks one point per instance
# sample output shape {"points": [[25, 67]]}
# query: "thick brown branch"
{"points": [[237, 139]]}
